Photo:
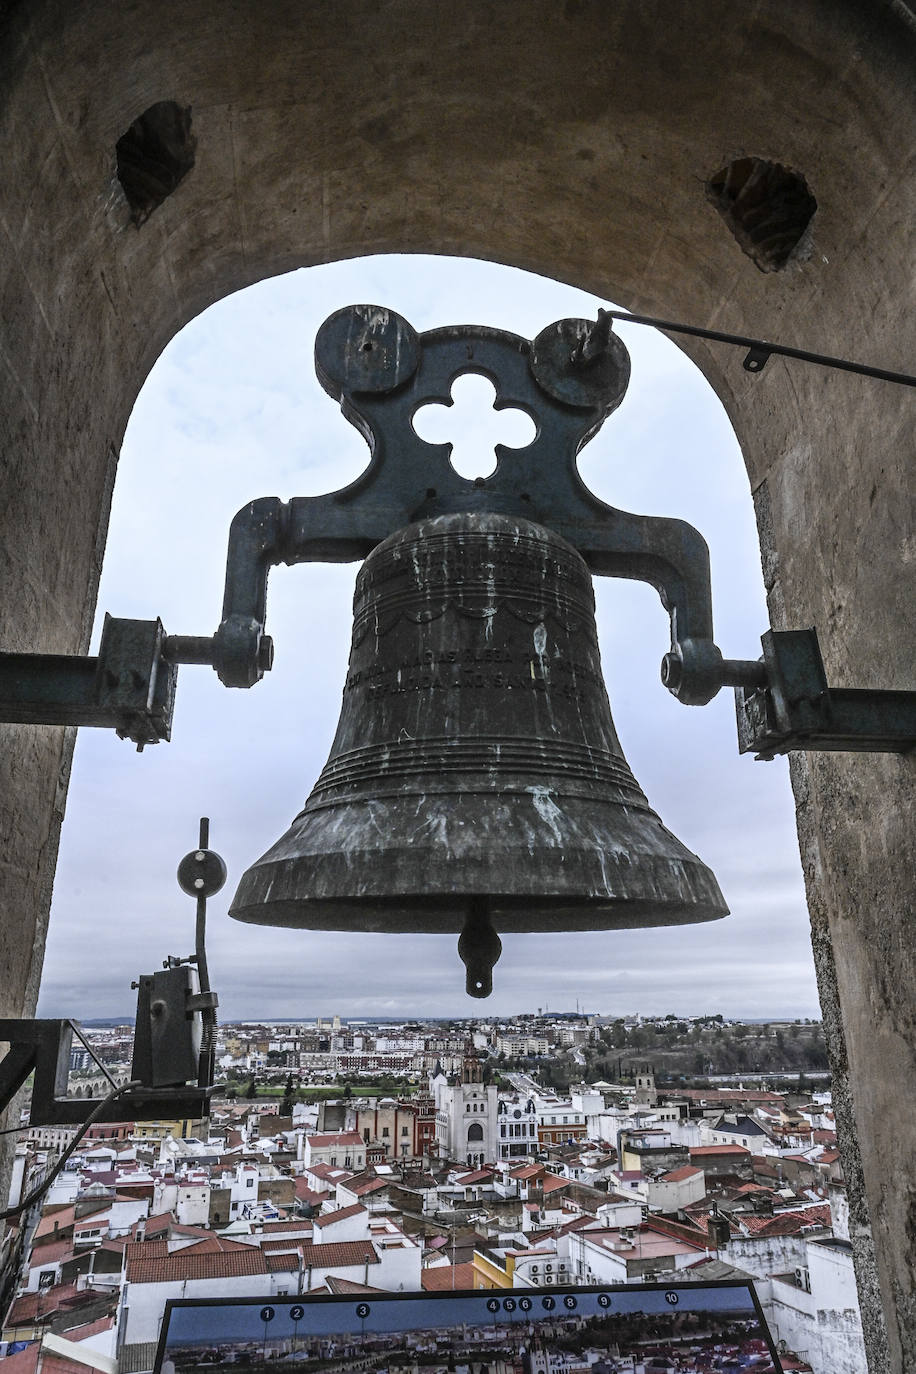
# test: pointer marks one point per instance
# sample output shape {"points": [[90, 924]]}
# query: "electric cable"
{"points": [[31, 1198]]}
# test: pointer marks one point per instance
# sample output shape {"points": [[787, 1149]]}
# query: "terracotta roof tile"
{"points": [[53, 1222], [183, 1266], [345, 1139], [25, 1361], [212, 1245], [31, 1306], [442, 1278], [342, 1214], [338, 1254], [150, 1249], [474, 1176], [153, 1225], [52, 1253], [305, 1193], [331, 1173], [788, 1223], [371, 1185], [344, 1287]]}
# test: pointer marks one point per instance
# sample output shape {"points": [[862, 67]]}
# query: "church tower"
{"points": [[466, 1127], [646, 1095]]}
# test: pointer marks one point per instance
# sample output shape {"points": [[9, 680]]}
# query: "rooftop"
{"points": [[342, 1214]]}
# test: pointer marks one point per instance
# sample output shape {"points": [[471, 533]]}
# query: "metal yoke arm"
{"points": [[267, 532], [569, 379]]}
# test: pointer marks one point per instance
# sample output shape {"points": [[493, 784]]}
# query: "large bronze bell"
{"points": [[476, 776], [476, 781]]}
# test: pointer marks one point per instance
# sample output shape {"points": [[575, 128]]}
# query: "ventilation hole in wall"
{"points": [[154, 155], [767, 207]]}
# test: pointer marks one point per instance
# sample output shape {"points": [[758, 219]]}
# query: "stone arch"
{"points": [[475, 1132], [576, 141]]}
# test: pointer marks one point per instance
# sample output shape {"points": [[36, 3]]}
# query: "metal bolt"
{"points": [[595, 342], [672, 672], [266, 654]]}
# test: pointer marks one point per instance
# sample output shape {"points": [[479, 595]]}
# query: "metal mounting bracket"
{"points": [[129, 687], [568, 379], [43, 1047], [796, 709]]}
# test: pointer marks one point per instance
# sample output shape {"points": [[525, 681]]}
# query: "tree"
{"points": [[251, 1091], [286, 1105]]}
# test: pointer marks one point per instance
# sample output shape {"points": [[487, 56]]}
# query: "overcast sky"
{"points": [[233, 411]]}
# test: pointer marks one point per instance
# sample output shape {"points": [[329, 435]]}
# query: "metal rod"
{"points": [[208, 1042], [188, 649], [744, 672], [86, 1045], [764, 347], [200, 947]]}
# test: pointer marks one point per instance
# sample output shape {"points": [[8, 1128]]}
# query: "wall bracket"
{"points": [[796, 709], [43, 1047]]}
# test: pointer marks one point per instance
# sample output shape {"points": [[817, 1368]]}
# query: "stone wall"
{"points": [[595, 143]]}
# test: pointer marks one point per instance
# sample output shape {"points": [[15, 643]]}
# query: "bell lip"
{"points": [[445, 914]]}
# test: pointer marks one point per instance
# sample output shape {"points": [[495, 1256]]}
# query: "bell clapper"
{"points": [[479, 948]]}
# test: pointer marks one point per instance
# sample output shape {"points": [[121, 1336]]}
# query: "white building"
{"points": [[466, 1115], [674, 1191], [628, 1255], [192, 1205], [732, 1129], [516, 1045], [814, 1309], [339, 1149], [517, 1125]]}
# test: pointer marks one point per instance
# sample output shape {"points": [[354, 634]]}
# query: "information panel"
{"points": [[646, 1329]]}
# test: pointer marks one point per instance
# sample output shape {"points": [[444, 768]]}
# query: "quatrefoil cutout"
{"points": [[473, 426]]}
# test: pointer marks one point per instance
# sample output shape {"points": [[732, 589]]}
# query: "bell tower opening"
{"points": [[232, 411]]}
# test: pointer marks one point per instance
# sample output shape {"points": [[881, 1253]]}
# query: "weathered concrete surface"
{"points": [[575, 140]]}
